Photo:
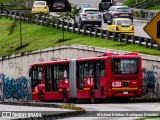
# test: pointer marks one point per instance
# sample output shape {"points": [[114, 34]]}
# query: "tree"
{"points": [[14, 24], [68, 17], [63, 16]]}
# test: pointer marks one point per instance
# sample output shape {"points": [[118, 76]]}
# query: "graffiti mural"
{"points": [[151, 79], [1, 87], [15, 89]]}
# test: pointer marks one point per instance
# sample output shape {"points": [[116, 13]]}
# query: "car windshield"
{"points": [[92, 11], [39, 3], [85, 5], [59, 1], [123, 9], [124, 22]]}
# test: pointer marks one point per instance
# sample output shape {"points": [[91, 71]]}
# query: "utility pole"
{"points": [[136, 1]]}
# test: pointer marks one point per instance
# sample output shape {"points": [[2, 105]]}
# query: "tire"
{"points": [[100, 25], [100, 9], [111, 18], [92, 96], [80, 23], [104, 20], [41, 97], [65, 96]]}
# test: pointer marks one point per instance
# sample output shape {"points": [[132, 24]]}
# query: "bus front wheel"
{"points": [[41, 97]]}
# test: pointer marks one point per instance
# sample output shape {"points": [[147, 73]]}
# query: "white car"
{"points": [[89, 16]]}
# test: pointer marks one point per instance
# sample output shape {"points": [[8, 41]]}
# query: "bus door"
{"points": [[55, 78], [48, 78], [96, 76], [99, 76], [36, 81], [80, 76], [86, 75]]}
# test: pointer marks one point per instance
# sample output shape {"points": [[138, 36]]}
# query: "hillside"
{"points": [[37, 37]]}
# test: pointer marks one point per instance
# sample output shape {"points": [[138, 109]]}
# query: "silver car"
{"points": [[89, 16]]}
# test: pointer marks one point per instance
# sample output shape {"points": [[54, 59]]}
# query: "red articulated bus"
{"points": [[116, 76]]}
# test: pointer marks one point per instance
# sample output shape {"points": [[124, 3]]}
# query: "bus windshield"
{"points": [[36, 75], [124, 65]]}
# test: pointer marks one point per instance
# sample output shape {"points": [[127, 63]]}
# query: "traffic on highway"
{"points": [[98, 84], [102, 14]]}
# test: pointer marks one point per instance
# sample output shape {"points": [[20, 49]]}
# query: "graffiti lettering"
{"points": [[151, 80], [16, 66], [41, 60], [1, 87], [15, 88], [53, 59]]}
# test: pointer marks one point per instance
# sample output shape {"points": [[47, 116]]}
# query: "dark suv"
{"points": [[105, 4], [61, 5]]}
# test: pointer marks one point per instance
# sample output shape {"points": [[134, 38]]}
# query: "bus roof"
{"points": [[104, 56]]}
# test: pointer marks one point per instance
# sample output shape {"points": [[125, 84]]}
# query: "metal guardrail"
{"points": [[145, 4], [96, 32], [4, 6], [144, 14]]}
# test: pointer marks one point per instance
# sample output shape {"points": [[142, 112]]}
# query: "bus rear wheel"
{"points": [[65, 96]]}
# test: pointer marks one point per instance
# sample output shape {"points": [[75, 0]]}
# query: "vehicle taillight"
{"points": [[132, 28], [117, 28], [131, 13], [140, 85], [60, 82], [63, 5], [109, 85], [116, 14], [84, 14], [99, 15]]}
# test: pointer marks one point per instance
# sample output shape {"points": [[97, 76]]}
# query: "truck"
{"points": [[106, 4]]}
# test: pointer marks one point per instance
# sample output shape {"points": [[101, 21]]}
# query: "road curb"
{"points": [[77, 110]]}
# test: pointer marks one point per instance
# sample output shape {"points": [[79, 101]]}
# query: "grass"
{"points": [[130, 2], [36, 37], [155, 8], [5, 1]]}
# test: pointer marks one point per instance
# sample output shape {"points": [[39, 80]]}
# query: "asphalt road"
{"points": [[27, 111], [136, 108], [138, 24]]}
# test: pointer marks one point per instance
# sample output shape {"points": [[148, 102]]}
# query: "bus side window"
{"points": [[102, 68], [63, 71], [39, 73]]}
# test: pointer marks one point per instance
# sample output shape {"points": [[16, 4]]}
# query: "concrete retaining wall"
{"points": [[14, 69]]}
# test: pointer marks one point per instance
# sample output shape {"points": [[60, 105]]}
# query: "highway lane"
{"points": [[138, 24], [118, 107]]}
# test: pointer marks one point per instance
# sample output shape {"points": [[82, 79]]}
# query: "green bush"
{"points": [[130, 2]]}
